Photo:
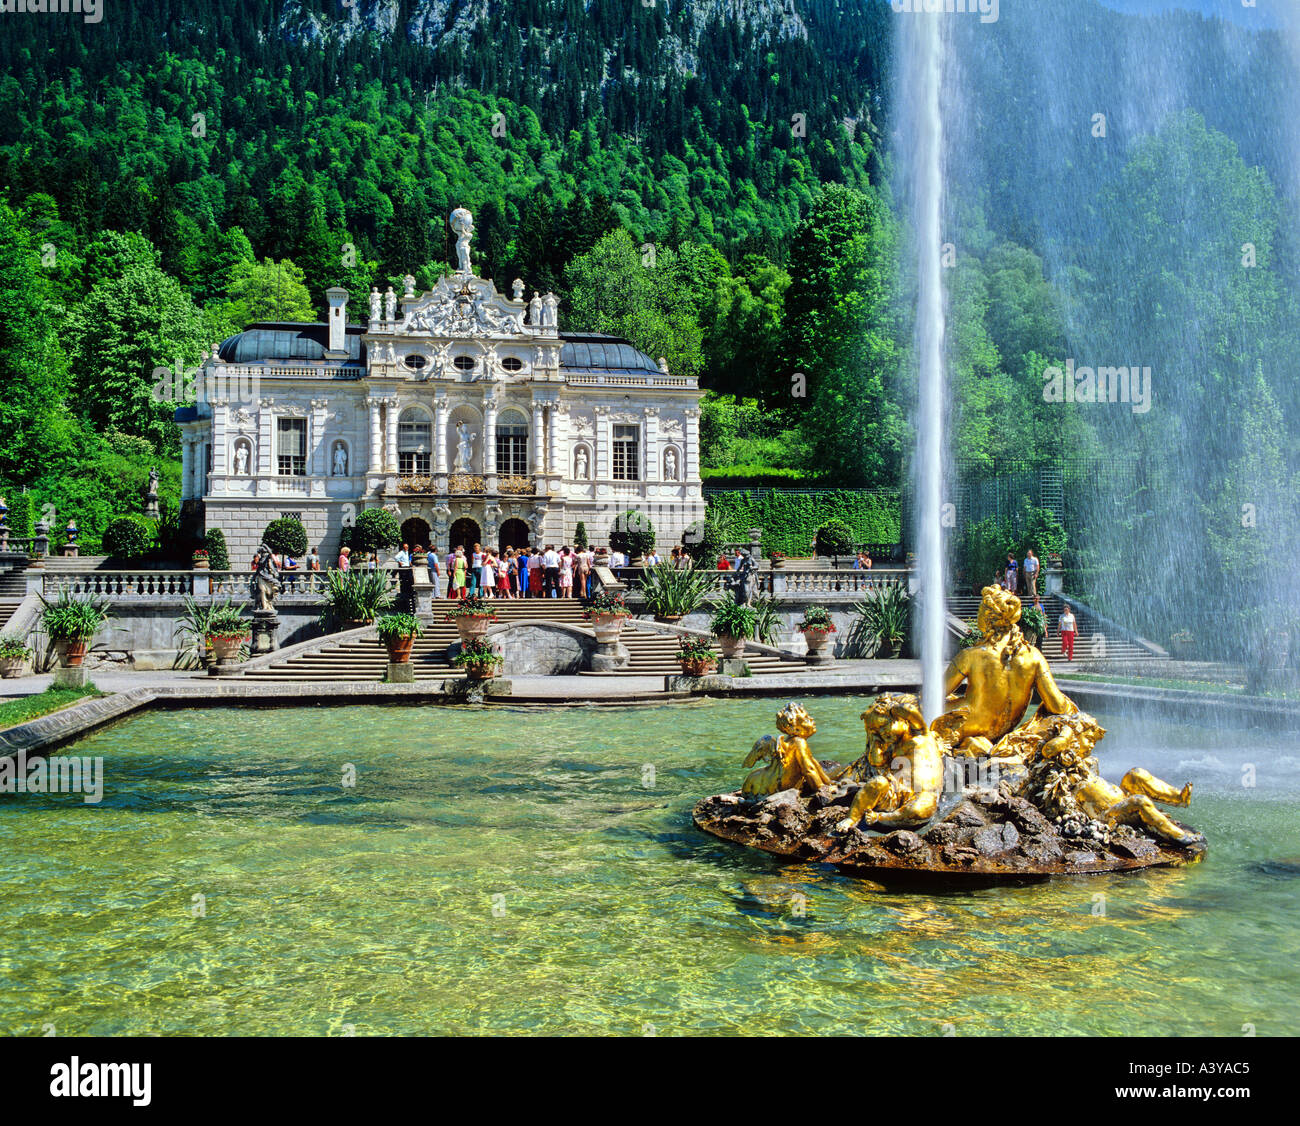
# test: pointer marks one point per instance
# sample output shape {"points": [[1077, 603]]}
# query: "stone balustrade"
{"points": [[122, 584]]}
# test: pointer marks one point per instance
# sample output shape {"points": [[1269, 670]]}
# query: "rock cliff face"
{"points": [[438, 23]]}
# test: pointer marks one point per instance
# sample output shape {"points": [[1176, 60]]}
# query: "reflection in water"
{"points": [[515, 870]]}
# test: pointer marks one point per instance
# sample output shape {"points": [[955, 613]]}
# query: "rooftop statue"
{"points": [[462, 225]]}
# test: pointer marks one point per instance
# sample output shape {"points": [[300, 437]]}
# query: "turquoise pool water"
{"points": [[499, 870]]}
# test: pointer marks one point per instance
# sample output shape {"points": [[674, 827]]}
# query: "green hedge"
{"points": [[130, 538], [218, 554], [790, 520], [22, 515]]}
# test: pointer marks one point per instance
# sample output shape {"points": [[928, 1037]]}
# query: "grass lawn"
{"points": [[13, 712], [1218, 687]]}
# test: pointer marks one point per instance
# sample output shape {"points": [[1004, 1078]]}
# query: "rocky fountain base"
{"points": [[989, 834]]}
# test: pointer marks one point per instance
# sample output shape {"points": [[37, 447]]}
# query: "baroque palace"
{"points": [[464, 412]]}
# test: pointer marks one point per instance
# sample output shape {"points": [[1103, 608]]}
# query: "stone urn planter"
{"points": [[816, 640], [399, 649], [480, 672], [731, 646], [701, 667], [72, 653], [11, 667], [891, 648], [199, 563], [608, 627], [226, 648], [473, 628]]}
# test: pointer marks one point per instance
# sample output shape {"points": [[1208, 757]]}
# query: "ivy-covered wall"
{"points": [[790, 520]]}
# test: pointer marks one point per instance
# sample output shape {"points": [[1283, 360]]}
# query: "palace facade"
{"points": [[465, 413]]}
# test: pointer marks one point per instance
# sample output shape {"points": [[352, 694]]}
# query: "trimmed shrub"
{"points": [[129, 537], [703, 541], [580, 535], [286, 536], [218, 555], [835, 538], [22, 515], [376, 529], [633, 534]]}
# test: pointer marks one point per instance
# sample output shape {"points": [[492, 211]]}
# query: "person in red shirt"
{"points": [[723, 565]]}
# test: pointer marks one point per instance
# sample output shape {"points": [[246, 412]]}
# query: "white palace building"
{"points": [[464, 412]]}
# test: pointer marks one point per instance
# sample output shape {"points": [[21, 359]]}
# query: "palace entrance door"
{"points": [[514, 533], [465, 533]]}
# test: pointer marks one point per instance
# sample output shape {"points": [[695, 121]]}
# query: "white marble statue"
{"points": [[535, 310], [340, 460], [390, 304], [550, 307], [409, 283], [462, 223], [241, 459], [376, 301], [580, 467], [518, 287], [670, 465], [464, 448]]}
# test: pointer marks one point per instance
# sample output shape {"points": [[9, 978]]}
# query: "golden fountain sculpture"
{"points": [[1060, 815]]}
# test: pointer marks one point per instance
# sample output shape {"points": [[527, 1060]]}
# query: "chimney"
{"points": [[338, 299]]}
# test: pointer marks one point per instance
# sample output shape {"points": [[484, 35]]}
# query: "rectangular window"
{"points": [[512, 451], [414, 441], [291, 448], [627, 458]]}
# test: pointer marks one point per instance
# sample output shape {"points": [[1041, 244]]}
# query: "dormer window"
{"points": [[463, 363]]}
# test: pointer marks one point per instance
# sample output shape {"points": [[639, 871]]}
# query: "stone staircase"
{"points": [[652, 652], [13, 586], [1092, 645]]}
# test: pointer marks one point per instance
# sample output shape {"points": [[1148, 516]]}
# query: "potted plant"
{"points": [[227, 630], [13, 653], [778, 559], [606, 612], [695, 656], [479, 660], [419, 557], [354, 598], [733, 625], [398, 632], [1182, 646], [473, 617], [1034, 626], [670, 594], [816, 628], [193, 624], [884, 616], [71, 623], [199, 560]]}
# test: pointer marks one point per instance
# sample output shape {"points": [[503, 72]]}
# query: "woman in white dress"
{"points": [[488, 580]]}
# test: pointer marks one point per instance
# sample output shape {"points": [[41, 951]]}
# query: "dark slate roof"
{"points": [[594, 351], [284, 342]]}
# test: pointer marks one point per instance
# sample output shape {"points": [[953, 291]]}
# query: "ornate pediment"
{"points": [[461, 306]]}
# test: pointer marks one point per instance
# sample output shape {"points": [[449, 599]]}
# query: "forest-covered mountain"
{"points": [[711, 178]]}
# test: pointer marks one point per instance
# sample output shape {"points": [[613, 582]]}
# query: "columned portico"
{"points": [[376, 437]]}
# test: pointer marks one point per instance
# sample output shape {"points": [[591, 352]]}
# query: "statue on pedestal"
{"points": [[265, 583], [464, 448], [462, 224], [151, 497]]}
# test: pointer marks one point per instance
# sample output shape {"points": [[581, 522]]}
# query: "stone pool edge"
{"points": [[39, 736]]}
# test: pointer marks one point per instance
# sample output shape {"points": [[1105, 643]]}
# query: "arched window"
{"points": [[512, 444], [414, 441]]}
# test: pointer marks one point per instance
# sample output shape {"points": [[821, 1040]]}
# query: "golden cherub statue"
{"points": [[790, 763], [1001, 674], [902, 769], [1064, 777]]}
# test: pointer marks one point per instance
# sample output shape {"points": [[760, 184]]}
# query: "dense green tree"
{"points": [[268, 291]]}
